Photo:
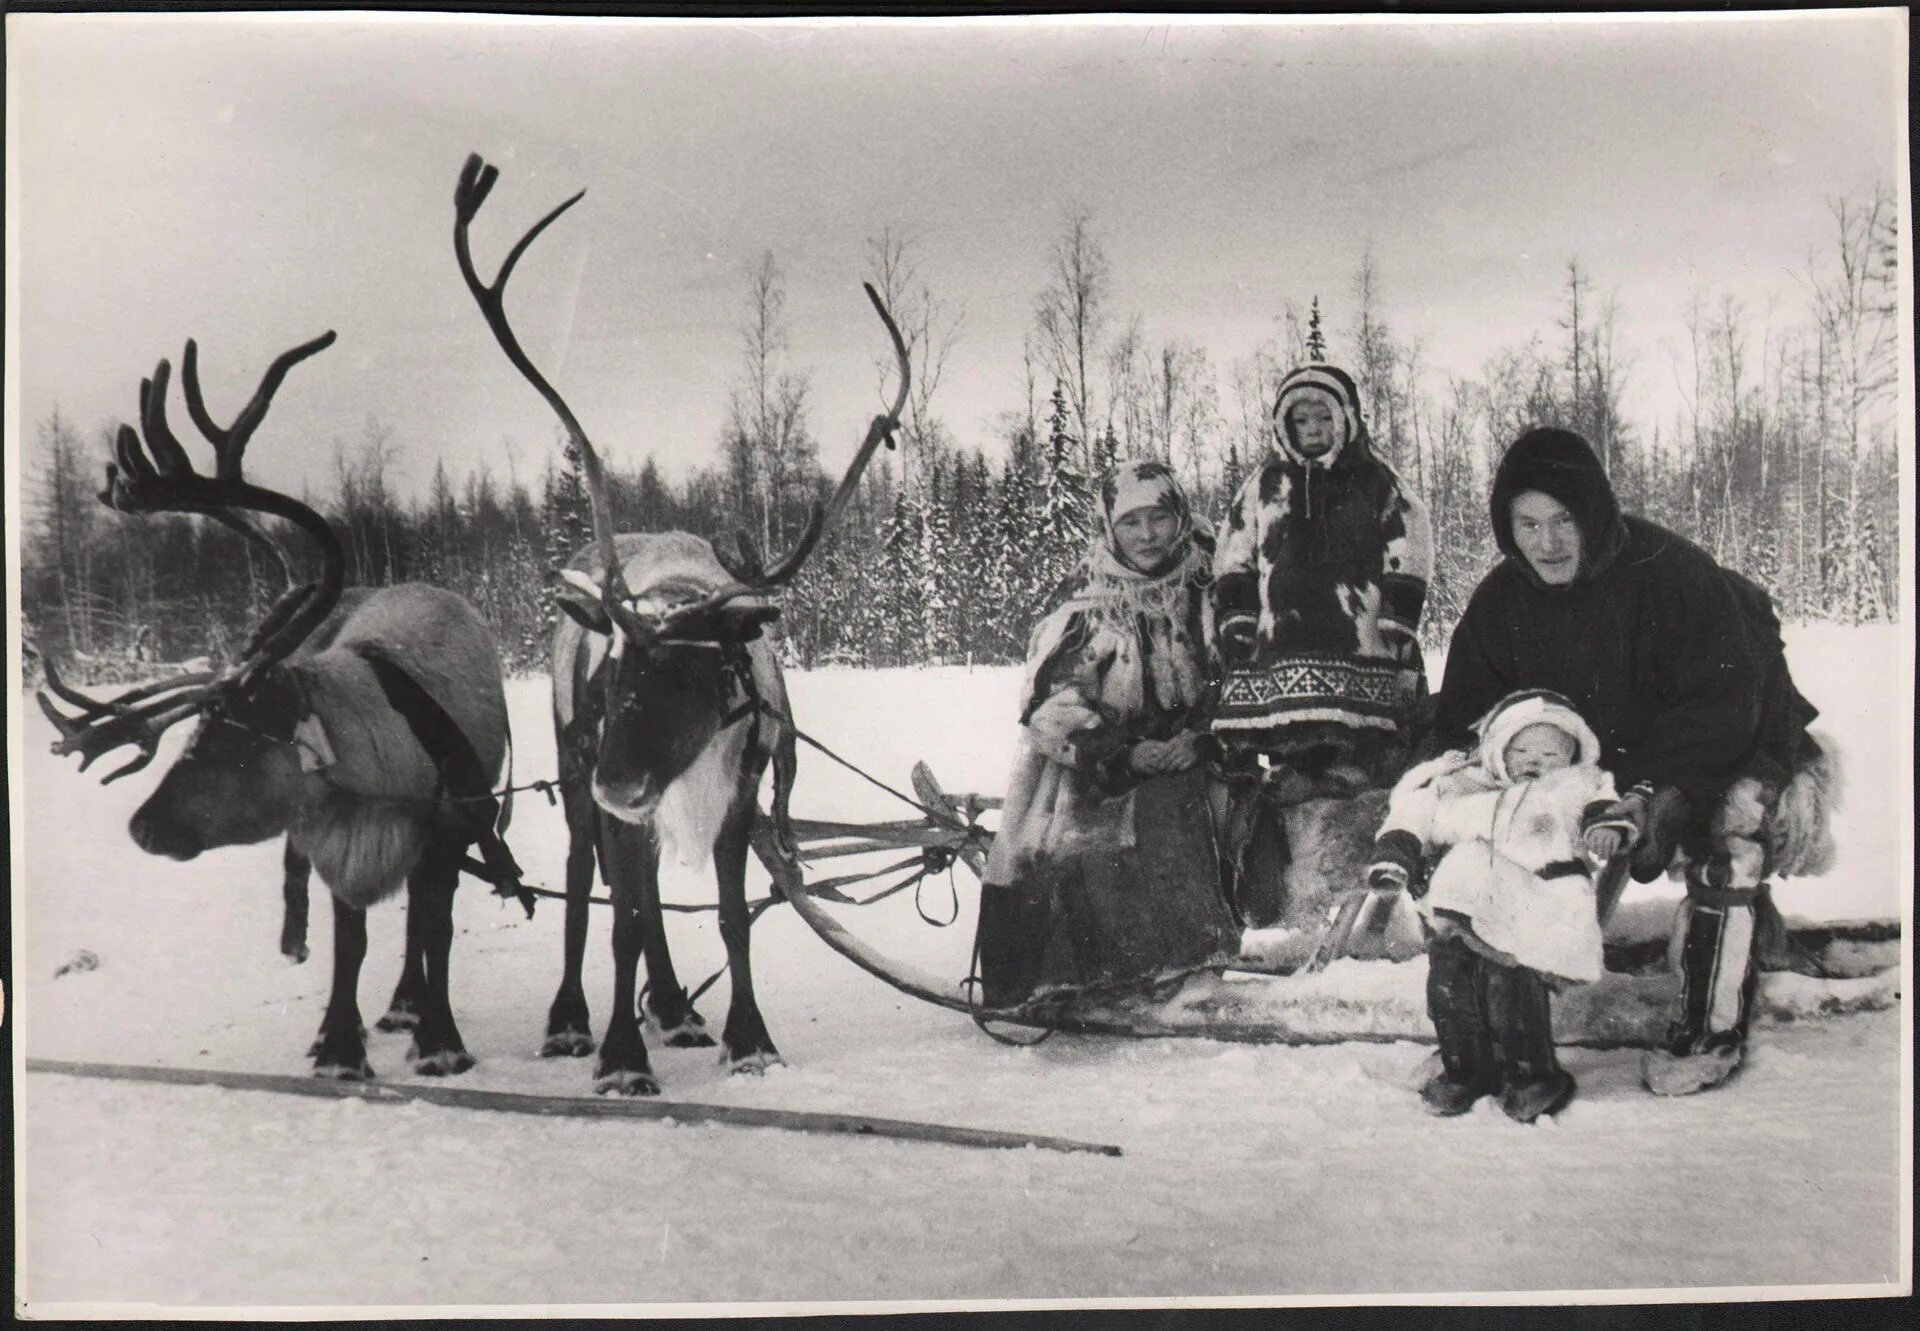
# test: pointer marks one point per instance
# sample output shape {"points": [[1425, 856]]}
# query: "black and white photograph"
{"points": [[681, 665]]}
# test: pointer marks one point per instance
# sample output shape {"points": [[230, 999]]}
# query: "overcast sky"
{"points": [[252, 180]]}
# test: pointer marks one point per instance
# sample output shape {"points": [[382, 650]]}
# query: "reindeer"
{"points": [[316, 732], [668, 705]]}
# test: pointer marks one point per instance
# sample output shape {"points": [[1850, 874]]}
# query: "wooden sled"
{"points": [[1267, 994]]}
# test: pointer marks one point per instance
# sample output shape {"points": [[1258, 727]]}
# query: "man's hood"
{"points": [[1561, 465]]}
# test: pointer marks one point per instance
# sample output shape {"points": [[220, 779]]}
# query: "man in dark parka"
{"points": [[1678, 665]]}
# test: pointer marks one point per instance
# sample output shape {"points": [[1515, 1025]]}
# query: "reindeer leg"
{"points": [[630, 857], [786, 766], [437, 1048], [748, 1046], [668, 1008], [341, 1050], [569, 1024], [410, 994], [293, 891]]}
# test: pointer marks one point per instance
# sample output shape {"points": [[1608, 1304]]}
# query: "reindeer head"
{"points": [[232, 785], [676, 613]]}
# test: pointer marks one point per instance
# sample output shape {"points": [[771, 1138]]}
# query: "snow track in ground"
{"points": [[1249, 1170]]}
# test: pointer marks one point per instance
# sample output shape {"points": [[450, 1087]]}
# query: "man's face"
{"points": [[1310, 424], [1537, 750], [1548, 537]]}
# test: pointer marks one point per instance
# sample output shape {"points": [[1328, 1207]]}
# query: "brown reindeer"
{"points": [[668, 705], [371, 750]]}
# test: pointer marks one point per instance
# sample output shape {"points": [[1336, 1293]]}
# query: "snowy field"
{"points": [[1250, 1172]]}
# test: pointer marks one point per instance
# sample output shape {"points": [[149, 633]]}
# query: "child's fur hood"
{"points": [[1515, 712]]}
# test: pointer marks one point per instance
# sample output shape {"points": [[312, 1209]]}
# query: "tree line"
{"points": [[1781, 463]]}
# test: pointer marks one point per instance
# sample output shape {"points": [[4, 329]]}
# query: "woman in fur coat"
{"points": [[1520, 823], [1101, 872], [1318, 587]]}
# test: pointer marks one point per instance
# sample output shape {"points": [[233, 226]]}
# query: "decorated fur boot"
{"points": [[1520, 1012], [1707, 1044], [1454, 1002]]}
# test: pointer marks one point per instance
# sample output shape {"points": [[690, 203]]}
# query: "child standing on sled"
{"points": [[1318, 588], [1521, 823]]}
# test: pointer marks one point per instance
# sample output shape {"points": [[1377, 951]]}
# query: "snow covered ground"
{"points": [[1249, 1173]]}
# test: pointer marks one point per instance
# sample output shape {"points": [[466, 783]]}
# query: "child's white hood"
{"points": [[1516, 712]]}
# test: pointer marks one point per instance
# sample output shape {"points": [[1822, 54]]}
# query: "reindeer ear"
{"points": [[579, 596], [742, 620]]}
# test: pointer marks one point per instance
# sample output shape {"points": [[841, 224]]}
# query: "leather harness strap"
{"points": [[462, 775]]}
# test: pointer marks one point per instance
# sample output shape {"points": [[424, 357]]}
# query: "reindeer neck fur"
{"points": [[689, 815], [366, 818]]}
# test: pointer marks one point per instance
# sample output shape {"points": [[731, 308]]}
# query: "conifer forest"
{"points": [[1781, 463]]}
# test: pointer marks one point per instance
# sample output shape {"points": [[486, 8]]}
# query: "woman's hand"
{"points": [[1156, 757]]}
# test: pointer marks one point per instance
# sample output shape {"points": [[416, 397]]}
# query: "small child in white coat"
{"points": [[1522, 825]]}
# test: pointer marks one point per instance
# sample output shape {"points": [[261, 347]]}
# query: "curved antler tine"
{"points": [[133, 472], [880, 430], [65, 691], [95, 709], [190, 387], [231, 448], [305, 607], [283, 610], [476, 180], [139, 760], [739, 557], [66, 725], [533, 234], [169, 458], [258, 535], [900, 353], [142, 726]]}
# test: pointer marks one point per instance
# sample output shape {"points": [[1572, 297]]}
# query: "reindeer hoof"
{"points": [[626, 1082], [753, 1064], [690, 1032], [295, 954], [343, 1071], [446, 1063], [567, 1044], [319, 1045], [398, 1019]]}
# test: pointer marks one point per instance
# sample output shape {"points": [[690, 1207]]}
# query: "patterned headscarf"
{"points": [[1137, 622], [1136, 485]]}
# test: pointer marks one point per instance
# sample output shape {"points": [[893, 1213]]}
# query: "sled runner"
{"points": [[1300, 981]]}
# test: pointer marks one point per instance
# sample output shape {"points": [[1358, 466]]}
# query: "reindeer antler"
{"points": [[152, 474], [747, 570], [476, 182], [105, 725]]}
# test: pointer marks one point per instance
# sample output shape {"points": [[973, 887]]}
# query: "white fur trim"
{"points": [[581, 581], [1504, 721], [1322, 385]]}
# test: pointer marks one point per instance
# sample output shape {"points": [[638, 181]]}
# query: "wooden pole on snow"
{"points": [[454, 1097]]}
